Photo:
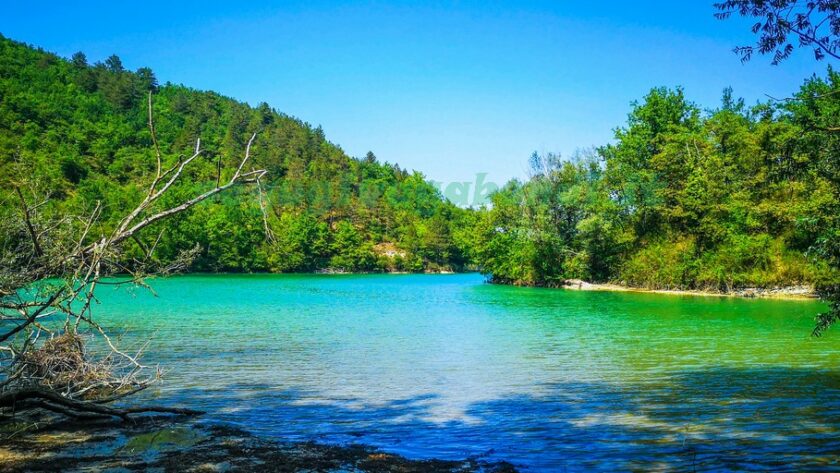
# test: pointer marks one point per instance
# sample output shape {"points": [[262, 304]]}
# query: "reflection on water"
{"points": [[446, 366]]}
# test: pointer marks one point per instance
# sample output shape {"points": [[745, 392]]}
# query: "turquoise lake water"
{"points": [[448, 366]]}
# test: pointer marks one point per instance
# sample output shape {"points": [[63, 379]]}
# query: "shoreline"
{"points": [[170, 445], [793, 292], [797, 293]]}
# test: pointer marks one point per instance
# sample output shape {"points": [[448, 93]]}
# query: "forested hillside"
{"points": [[684, 198], [79, 132]]}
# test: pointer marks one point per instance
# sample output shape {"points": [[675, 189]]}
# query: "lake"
{"points": [[448, 366]]}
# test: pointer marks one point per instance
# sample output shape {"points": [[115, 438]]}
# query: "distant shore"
{"points": [[793, 292], [341, 271], [801, 292]]}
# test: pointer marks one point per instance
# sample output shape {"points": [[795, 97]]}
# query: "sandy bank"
{"points": [[788, 292]]}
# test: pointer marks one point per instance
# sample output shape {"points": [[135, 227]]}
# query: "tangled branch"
{"points": [[812, 23], [50, 267]]}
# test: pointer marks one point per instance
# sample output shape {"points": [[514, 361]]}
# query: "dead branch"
{"points": [[39, 397], [57, 374], [24, 207]]}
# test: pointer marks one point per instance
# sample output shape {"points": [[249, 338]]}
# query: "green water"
{"points": [[448, 366]]}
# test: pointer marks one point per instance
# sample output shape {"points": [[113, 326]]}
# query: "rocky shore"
{"points": [[171, 446]]}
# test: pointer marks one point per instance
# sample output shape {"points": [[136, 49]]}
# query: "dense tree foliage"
{"points": [[683, 199], [812, 24], [83, 129]]}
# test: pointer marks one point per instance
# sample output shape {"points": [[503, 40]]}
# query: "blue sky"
{"points": [[449, 88]]}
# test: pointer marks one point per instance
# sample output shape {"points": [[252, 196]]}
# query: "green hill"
{"points": [[80, 130]]}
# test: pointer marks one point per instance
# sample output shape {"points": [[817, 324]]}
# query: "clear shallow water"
{"points": [[447, 366]]}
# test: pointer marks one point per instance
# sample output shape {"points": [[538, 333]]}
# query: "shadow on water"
{"points": [[548, 380], [775, 419]]}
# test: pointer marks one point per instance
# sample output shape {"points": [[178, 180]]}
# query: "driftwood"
{"points": [[50, 267], [52, 401]]}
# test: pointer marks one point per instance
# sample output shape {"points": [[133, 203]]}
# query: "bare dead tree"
{"points": [[50, 266]]}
